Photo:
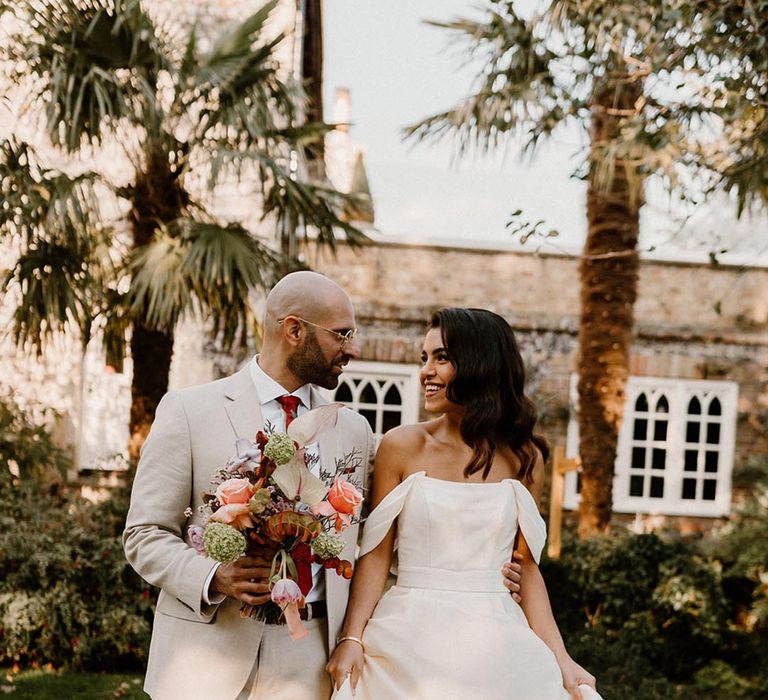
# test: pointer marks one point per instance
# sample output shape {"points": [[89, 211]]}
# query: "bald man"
{"points": [[201, 648]]}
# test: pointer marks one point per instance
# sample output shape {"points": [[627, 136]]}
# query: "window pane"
{"points": [[710, 488], [691, 460], [368, 394], [657, 487], [689, 489], [710, 461], [692, 431], [694, 407], [642, 403], [660, 430], [638, 458], [391, 420], [715, 409], [370, 416], [392, 397], [641, 429], [636, 486], [713, 433], [662, 405], [658, 458], [343, 393]]}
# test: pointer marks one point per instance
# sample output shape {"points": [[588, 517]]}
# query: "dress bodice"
{"points": [[453, 535]]}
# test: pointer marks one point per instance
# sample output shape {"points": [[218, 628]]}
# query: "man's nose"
{"points": [[353, 348]]}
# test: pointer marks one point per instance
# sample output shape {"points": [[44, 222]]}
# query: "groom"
{"points": [[201, 648]]}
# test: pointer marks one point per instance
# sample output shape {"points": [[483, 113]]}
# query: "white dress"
{"points": [[448, 629]]}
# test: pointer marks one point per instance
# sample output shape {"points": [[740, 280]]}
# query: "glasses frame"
{"points": [[343, 338]]}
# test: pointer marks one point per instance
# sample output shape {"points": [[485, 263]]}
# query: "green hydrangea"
{"points": [[223, 543], [327, 545], [257, 503], [280, 448]]}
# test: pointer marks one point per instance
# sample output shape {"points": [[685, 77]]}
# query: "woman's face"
{"points": [[437, 372]]}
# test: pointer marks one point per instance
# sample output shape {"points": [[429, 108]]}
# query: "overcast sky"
{"points": [[400, 70]]}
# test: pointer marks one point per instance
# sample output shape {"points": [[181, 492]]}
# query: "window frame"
{"points": [[678, 393], [406, 375]]}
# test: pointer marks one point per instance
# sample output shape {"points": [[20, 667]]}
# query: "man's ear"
{"points": [[293, 330]]}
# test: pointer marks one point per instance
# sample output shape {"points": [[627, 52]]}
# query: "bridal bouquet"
{"points": [[266, 496]]}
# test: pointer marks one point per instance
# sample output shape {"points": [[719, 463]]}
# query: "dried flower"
{"points": [[280, 448], [223, 543], [258, 502], [327, 545]]}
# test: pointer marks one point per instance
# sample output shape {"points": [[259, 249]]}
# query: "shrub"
{"points": [[67, 595], [26, 445], [662, 600]]}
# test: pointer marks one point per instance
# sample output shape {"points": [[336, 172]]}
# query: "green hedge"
{"points": [[67, 596]]}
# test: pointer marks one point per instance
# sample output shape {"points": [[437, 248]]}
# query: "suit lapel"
{"points": [[243, 407]]}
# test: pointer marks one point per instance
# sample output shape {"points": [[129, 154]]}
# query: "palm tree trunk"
{"points": [[312, 73], [609, 274], [151, 351], [157, 197]]}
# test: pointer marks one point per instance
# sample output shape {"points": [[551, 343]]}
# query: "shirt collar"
{"points": [[269, 390]]}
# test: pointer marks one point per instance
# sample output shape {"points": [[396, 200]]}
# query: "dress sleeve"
{"points": [[530, 521], [383, 515]]}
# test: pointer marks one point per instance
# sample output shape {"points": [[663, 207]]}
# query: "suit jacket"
{"points": [[198, 650]]}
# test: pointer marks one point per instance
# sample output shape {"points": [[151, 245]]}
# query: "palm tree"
{"points": [[186, 116], [657, 87]]}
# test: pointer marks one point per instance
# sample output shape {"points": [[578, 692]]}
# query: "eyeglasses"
{"points": [[343, 338]]}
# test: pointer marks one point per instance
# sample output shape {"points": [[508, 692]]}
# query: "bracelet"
{"points": [[350, 638]]}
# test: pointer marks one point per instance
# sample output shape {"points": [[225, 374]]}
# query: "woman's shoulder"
{"points": [[409, 438]]}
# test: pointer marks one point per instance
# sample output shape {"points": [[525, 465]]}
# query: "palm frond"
{"points": [[91, 61], [239, 83], [204, 269], [515, 91], [302, 206]]}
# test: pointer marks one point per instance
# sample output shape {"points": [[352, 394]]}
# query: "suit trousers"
{"points": [[290, 670]]}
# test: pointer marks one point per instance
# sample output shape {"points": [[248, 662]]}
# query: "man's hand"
{"points": [[513, 574], [246, 579]]}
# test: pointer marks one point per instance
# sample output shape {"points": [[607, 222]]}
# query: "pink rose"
{"points": [[234, 491], [234, 514], [344, 497]]}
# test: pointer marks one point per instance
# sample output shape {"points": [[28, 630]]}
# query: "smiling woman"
{"points": [[453, 491]]}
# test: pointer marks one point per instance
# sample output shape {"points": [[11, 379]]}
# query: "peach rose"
{"points": [[234, 514], [344, 497], [234, 491]]}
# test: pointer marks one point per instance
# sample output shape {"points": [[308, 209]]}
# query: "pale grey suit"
{"points": [[197, 650]]}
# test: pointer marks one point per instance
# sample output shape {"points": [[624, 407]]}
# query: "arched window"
{"points": [[386, 395], [675, 448]]}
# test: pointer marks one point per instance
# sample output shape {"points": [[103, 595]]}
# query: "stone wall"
{"points": [[693, 321]]}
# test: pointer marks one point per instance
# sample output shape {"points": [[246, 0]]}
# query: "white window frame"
{"points": [[405, 377], [678, 393]]}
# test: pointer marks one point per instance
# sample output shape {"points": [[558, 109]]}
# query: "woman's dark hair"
{"points": [[489, 384]]}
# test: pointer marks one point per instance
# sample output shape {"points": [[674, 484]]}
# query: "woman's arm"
{"points": [[536, 605], [371, 570]]}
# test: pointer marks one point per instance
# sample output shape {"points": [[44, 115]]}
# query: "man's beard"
{"points": [[310, 365]]}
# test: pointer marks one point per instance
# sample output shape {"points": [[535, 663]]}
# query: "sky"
{"points": [[400, 70]]}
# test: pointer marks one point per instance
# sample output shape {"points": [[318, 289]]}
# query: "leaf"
{"points": [[297, 482]]}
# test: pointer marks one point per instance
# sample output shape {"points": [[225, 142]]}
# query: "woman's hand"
{"points": [[346, 660], [574, 676]]}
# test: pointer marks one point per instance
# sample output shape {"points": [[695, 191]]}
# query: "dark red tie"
{"points": [[290, 406]]}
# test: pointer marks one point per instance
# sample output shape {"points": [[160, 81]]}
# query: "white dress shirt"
{"points": [[268, 391]]}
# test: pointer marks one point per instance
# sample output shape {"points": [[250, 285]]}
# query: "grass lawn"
{"points": [[45, 685]]}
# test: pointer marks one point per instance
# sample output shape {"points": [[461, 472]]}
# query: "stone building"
{"points": [[697, 404]]}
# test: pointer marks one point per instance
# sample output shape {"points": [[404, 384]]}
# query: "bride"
{"points": [[453, 492]]}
